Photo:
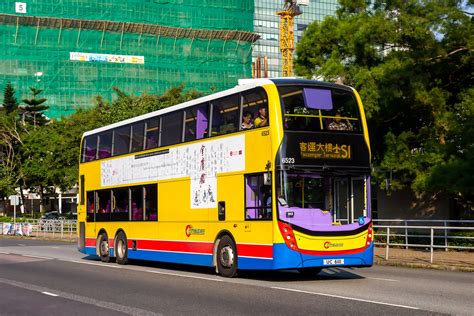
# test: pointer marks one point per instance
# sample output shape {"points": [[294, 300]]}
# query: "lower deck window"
{"points": [[258, 198], [137, 203]]}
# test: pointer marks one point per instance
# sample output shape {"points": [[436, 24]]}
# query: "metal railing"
{"points": [[428, 234], [45, 228]]}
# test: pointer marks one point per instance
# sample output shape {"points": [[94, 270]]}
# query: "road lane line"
{"points": [[94, 264], [4, 253], [344, 297], [382, 279], [81, 299], [150, 271], [183, 275], [50, 294], [37, 257]]}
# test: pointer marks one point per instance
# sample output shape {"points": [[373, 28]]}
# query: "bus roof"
{"points": [[244, 84]]}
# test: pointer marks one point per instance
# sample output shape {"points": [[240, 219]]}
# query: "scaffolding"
{"points": [[211, 49]]}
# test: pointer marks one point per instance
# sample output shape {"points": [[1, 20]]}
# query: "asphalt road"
{"points": [[46, 278]]}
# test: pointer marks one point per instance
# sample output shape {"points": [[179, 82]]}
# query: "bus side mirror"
{"points": [[267, 178]]}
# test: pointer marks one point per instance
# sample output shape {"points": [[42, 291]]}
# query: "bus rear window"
{"points": [[310, 108]]}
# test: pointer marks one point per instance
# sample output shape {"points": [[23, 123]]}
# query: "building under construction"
{"points": [[77, 49]]}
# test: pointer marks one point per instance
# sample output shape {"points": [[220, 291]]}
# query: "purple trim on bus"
{"points": [[320, 99], [314, 219], [202, 122]]}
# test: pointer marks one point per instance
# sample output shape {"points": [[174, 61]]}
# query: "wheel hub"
{"points": [[121, 248], [104, 247], [227, 256]]}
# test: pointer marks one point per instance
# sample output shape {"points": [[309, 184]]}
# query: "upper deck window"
{"points": [[122, 140], [226, 115], [171, 128], [105, 145], [241, 111], [196, 122], [89, 150], [311, 108], [152, 133], [254, 109]]}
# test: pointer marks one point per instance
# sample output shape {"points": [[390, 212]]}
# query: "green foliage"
{"points": [[34, 108], [127, 106], [412, 64], [5, 219], [10, 141], [10, 103]]}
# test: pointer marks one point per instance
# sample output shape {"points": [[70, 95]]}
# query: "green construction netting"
{"points": [[206, 14], [41, 58]]}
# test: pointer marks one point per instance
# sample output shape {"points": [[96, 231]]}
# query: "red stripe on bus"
{"points": [[261, 251], [258, 251], [90, 242]]}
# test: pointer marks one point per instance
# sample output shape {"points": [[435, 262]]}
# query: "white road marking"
{"points": [[382, 279], [150, 271], [37, 257], [183, 275], [344, 297], [50, 294], [4, 253], [81, 299], [95, 264]]}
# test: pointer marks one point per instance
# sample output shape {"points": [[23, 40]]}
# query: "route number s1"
{"points": [[287, 160]]}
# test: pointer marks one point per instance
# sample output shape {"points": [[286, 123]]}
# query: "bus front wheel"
{"points": [[121, 248], [103, 247], [227, 257]]}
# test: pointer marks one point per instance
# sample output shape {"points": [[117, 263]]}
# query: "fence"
{"points": [[432, 234], [49, 228]]}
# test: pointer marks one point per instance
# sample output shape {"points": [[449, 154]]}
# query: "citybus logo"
{"points": [[329, 244], [194, 231]]}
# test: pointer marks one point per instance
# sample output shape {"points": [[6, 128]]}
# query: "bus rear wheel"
{"points": [[103, 247], [121, 248], [227, 257]]}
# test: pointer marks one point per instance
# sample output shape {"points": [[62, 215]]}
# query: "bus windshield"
{"points": [[308, 199], [313, 108]]}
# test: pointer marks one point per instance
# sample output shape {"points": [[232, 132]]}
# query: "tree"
{"points": [[127, 106], [10, 103], [412, 64], [34, 109], [10, 142]]}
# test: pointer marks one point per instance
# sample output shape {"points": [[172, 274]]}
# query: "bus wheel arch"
{"points": [[102, 246], [225, 256], [121, 247]]}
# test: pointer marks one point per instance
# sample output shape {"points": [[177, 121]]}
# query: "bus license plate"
{"points": [[331, 262]]}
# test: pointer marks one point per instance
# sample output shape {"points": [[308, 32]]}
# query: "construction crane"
{"points": [[287, 36]]}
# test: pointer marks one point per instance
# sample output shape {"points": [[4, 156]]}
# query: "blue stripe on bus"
{"points": [[283, 258]]}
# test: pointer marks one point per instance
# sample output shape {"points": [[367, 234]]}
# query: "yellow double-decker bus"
{"points": [[272, 174]]}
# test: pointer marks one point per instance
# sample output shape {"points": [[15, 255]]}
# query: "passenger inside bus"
{"points": [[339, 125], [261, 119], [247, 120]]}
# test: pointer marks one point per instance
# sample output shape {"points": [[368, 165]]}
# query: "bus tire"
{"points": [[226, 257], [103, 247], [310, 272], [121, 248]]}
